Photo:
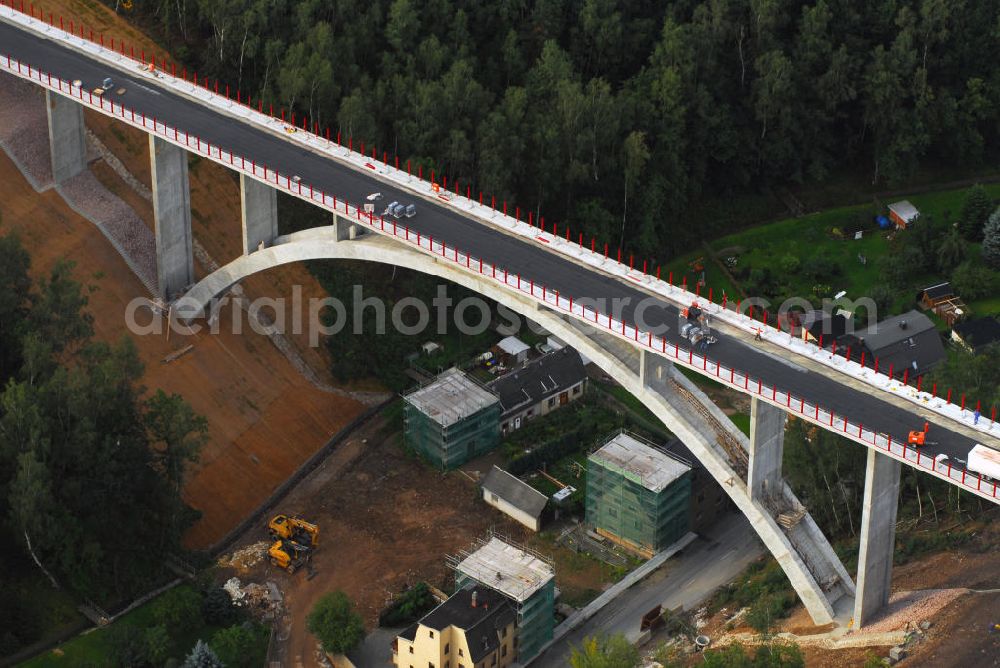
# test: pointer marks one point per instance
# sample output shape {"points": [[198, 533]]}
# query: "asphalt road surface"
{"points": [[686, 580], [529, 260]]}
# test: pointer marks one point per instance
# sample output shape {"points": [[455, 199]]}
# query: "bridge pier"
{"points": [[344, 229], [767, 443], [67, 136], [878, 536], [259, 211], [172, 215]]}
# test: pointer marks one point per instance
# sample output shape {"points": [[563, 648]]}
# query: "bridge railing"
{"points": [[688, 357], [562, 244]]}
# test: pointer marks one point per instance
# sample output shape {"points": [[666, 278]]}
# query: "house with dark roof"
{"points": [[475, 627], [818, 323], [539, 387], [514, 497], [906, 341], [976, 334]]}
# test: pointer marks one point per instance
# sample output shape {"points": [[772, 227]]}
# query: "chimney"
{"points": [[473, 598]]}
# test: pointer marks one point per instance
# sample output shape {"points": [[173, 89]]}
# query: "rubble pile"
{"points": [[245, 558], [261, 600]]}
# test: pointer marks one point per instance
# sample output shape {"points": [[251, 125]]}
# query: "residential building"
{"points": [[907, 341], [512, 351], [903, 214], [976, 334], [816, 324], [553, 342], [709, 501], [539, 387], [514, 497], [451, 419], [475, 628], [943, 301], [525, 578], [638, 495]]}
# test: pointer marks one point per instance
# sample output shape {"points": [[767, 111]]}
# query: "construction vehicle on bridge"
{"points": [[984, 461], [294, 541], [696, 329]]}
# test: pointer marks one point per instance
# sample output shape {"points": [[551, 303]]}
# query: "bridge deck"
{"points": [[532, 262]]}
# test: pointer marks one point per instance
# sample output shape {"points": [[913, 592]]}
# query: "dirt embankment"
{"points": [[264, 417]]}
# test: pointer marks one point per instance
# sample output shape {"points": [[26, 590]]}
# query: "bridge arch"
{"points": [[819, 578]]}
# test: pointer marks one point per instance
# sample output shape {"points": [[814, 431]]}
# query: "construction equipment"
{"points": [[918, 438], [697, 329], [984, 461], [295, 530], [288, 555]]}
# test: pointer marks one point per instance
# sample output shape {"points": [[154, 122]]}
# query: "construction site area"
{"points": [[386, 521]]}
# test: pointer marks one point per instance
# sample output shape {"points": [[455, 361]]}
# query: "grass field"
{"points": [[788, 248]]}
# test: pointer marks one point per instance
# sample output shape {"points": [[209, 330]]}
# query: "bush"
{"points": [[335, 623], [789, 264], [128, 645], [178, 609], [821, 268], [765, 612], [240, 646], [972, 281], [409, 607], [218, 608]]}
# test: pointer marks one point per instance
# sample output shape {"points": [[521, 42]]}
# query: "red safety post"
{"points": [[892, 366]]}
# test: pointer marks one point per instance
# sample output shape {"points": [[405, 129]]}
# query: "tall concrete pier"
{"points": [[67, 136], [259, 211], [767, 443], [878, 536], [172, 213]]}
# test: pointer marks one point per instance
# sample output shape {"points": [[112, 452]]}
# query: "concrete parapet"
{"points": [[259, 212], [67, 136], [172, 214], [878, 536]]}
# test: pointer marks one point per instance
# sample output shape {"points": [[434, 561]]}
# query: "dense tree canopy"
{"points": [[89, 467], [617, 117]]}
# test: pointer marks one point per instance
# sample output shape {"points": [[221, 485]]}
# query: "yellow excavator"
{"points": [[294, 541]]}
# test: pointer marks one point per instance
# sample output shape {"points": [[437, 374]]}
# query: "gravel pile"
{"points": [[907, 609], [24, 129], [118, 221]]}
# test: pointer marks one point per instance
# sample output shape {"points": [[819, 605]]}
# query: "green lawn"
{"points": [[808, 237], [742, 421]]}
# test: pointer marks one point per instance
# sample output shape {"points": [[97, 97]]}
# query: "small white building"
{"points": [[903, 214], [513, 349], [514, 497]]}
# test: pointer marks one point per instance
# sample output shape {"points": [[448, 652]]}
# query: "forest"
{"points": [[91, 464], [620, 117]]}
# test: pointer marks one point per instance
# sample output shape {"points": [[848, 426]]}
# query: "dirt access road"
{"points": [[385, 520]]}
